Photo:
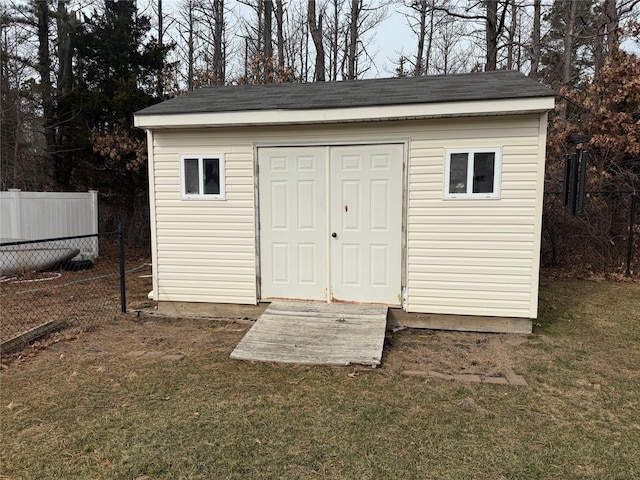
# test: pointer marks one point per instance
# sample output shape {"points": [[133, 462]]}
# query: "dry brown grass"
{"points": [[85, 409]]}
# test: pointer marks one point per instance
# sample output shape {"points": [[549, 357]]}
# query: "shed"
{"points": [[421, 193]]}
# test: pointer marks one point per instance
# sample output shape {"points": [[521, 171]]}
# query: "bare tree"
{"points": [[423, 59], [315, 27], [512, 32], [190, 27], [190, 47], [201, 26], [219, 57], [567, 60], [354, 14], [334, 35], [21, 164], [535, 39], [608, 27], [39, 54], [423, 20], [44, 71], [66, 24], [299, 40], [280, 33], [258, 41], [494, 20], [362, 21], [450, 55], [267, 39], [65, 109]]}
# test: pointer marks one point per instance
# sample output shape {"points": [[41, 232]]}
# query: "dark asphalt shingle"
{"points": [[357, 93]]}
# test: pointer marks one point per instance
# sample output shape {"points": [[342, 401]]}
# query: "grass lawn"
{"points": [[84, 409]]}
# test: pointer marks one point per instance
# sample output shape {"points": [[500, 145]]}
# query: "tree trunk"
{"points": [[335, 38], [246, 58], [46, 88], [607, 35], [268, 41], [160, 80], [65, 26], [567, 59], [613, 21], [299, 47], [512, 35], [535, 39], [280, 33], [160, 23], [599, 55], [356, 6], [219, 60], [64, 160], [315, 27], [427, 55], [190, 48], [421, 6], [491, 35]]}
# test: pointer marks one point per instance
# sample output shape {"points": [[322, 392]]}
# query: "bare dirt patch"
{"points": [[83, 300], [449, 353]]}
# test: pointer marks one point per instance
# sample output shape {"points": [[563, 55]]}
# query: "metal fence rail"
{"points": [[51, 284]]}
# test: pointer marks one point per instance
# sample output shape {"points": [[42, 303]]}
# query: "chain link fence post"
{"points": [[632, 222], [123, 288]]}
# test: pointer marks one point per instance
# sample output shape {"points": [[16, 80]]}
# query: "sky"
{"points": [[392, 36]]}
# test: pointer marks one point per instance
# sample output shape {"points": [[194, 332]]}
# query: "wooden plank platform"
{"points": [[21, 340], [316, 334]]}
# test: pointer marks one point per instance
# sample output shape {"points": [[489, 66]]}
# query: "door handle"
{"points": [[334, 234]]}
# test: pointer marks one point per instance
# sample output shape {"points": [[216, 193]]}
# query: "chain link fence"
{"points": [[49, 285]]}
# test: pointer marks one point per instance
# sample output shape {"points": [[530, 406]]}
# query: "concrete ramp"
{"points": [[312, 333]]}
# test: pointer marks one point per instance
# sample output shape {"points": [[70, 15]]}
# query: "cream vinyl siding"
{"points": [[204, 249], [476, 256], [463, 256]]}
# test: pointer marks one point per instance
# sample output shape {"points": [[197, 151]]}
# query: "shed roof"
{"points": [[357, 93]]}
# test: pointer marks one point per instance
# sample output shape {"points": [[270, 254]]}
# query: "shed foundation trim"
{"points": [[213, 310], [461, 323], [396, 317]]}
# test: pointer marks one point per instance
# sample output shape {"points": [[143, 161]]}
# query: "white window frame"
{"points": [[202, 195], [497, 168]]}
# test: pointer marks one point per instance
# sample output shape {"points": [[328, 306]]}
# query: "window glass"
{"points": [[458, 173], [483, 170], [472, 173], [191, 177], [211, 176]]}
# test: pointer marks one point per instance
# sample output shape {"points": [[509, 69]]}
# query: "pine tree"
{"points": [[117, 70]]}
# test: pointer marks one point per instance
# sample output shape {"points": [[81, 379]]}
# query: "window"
{"points": [[472, 173], [203, 177]]}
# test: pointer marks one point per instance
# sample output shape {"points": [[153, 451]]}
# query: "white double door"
{"points": [[331, 223]]}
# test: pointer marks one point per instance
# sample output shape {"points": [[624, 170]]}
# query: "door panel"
{"points": [[299, 257], [293, 223], [366, 215]]}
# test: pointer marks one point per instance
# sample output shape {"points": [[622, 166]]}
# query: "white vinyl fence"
{"points": [[42, 215]]}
